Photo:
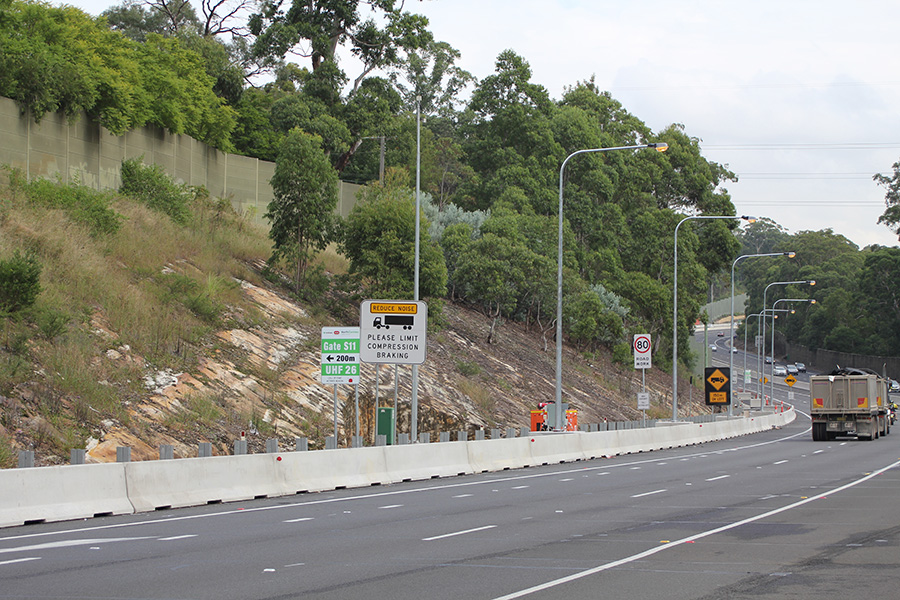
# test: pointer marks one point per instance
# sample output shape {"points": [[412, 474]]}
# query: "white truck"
{"points": [[849, 402]]}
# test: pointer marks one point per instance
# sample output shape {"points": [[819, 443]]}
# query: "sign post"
{"points": [[643, 362]]}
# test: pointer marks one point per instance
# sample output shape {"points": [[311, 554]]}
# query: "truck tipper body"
{"points": [[848, 402]]}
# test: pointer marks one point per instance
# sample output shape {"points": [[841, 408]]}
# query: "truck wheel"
{"points": [[818, 432]]}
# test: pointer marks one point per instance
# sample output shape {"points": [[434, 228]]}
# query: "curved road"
{"points": [[768, 516]]}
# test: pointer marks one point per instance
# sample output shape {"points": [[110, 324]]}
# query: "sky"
{"points": [[793, 96]]}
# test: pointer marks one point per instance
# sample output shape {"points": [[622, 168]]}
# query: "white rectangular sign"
{"points": [[641, 347], [340, 355], [393, 331], [643, 400]]}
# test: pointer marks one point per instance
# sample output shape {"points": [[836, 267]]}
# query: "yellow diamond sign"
{"points": [[717, 379], [790, 380]]}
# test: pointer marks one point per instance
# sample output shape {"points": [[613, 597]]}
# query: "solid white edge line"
{"points": [[446, 535], [177, 537], [719, 477], [652, 551]]}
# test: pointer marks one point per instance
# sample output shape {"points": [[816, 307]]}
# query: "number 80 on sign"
{"points": [[641, 348]]}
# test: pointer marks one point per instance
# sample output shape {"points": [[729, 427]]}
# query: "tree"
{"points": [[305, 195], [891, 216], [315, 28], [379, 240]]}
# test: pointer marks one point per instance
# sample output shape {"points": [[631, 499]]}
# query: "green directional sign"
{"points": [[340, 355]]}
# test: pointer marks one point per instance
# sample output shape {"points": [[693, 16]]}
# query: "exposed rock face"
{"points": [[263, 382]]}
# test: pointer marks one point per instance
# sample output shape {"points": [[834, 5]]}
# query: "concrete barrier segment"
{"points": [[62, 493], [190, 482]]}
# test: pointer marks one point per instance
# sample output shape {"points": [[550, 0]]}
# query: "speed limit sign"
{"points": [[642, 351]]}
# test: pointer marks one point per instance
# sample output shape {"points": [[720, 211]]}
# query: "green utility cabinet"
{"points": [[384, 424]]}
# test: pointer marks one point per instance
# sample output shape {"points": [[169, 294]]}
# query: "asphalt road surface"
{"points": [[772, 515]]}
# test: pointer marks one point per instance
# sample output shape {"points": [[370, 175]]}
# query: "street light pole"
{"points": [[675, 306], [731, 332], [765, 291], [414, 401], [774, 304], [659, 147]]}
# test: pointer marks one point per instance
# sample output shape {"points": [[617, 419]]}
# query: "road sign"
{"points": [[717, 385], [393, 331], [340, 355], [643, 400], [641, 348], [790, 380]]}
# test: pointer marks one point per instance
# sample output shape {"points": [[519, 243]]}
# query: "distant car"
{"points": [[712, 347], [768, 360], [779, 371], [721, 334], [895, 387], [800, 367], [733, 350], [792, 369]]}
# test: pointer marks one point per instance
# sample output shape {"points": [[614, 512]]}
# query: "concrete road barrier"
{"points": [[332, 469], [82, 491], [159, 484], [62, 493]]}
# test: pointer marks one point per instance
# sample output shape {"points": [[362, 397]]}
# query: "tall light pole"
{"points": [[731, 331], [765, 291], [414, 401], [659, 147], [774, 304], [759, 361], [675, 306]]}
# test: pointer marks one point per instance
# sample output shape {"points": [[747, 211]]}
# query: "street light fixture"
{"points": [[731, 363], [765, 291], [774, 304], [675, 306], [659, 147]]}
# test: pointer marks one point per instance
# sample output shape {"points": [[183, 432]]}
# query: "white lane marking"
{"points": [[294, 565], [301, 519], [244, 511], [689, 539], [818, 451], [446, 535], [719, 477], [71, 543], [635, 468], [780, 462], [19, 560], [648, 493], [389, 506], [569, 479], [178, 537], [463, 495], [518, 487]]}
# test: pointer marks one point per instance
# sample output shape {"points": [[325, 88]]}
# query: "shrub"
{"points": [[84, 205], [151, 185], [19, 281]]}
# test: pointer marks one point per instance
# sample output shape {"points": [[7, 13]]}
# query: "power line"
{"points": [[808, 146]]}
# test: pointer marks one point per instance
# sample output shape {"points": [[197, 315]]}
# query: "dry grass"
{"points": [[155, 286]]}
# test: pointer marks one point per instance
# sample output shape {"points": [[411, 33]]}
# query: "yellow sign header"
{"points": [[393, 308]]}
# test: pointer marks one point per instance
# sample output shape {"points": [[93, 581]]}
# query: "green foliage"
{"points": [[305, 196], [84, 205], [20, 281], [61, 59], [379, 240], [152, 186], [891, 215]]}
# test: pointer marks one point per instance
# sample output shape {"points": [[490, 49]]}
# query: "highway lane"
{"points": [[751, 516]]}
